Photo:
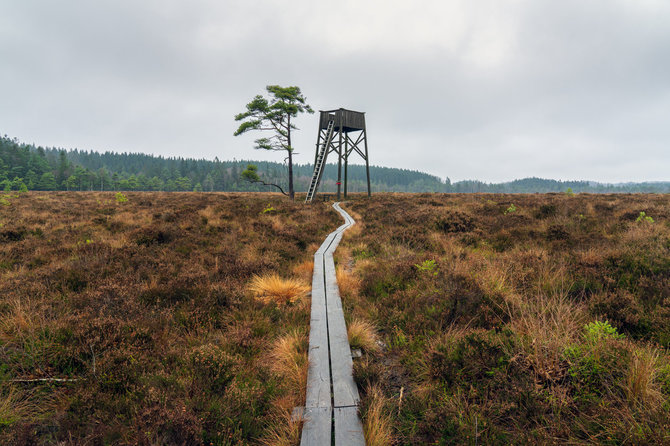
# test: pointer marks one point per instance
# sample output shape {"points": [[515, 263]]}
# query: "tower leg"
{"points": [[339, 165], [346, 164], [367, 161]]}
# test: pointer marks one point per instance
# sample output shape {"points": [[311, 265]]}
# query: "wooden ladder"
{"points": [[320, 162]]}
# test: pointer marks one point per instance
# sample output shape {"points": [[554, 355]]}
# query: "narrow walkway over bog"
{"points": [[331, 406]]}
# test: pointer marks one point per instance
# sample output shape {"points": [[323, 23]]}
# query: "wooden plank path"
{"points": [[331, 405]]}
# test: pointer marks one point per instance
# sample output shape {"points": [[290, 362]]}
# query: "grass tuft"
{"points": [[376, 420], [15, 406], [304, 270], [285, 431], [289, 359], [547, 324], [348, 283], [641, 386], [363, 335], [278, 290]]}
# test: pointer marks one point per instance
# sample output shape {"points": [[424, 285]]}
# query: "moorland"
{"points": [[510, 319], [182, 318], [128, 318]]}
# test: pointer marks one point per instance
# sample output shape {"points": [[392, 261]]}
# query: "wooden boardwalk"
{"points": [[331, 406]]}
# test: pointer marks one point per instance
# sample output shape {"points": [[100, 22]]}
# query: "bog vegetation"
{"points": [[157, 318], [154, 318], [498, 319]]}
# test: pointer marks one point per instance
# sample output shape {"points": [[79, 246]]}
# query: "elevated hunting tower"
{"points": [[343, 132]]}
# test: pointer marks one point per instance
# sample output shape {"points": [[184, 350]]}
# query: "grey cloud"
{"points": [[566, 90]]}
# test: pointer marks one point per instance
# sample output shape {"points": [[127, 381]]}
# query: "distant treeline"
{"points": [[27, 167]]}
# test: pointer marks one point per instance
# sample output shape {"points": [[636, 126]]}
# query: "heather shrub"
{"points": [[154, 235], [146, 308], [212, 368], [494, 348], [476, 356], [546, 211], [454, 222]]}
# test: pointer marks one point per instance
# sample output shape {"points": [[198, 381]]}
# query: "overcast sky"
{"points": [[488, 89]]}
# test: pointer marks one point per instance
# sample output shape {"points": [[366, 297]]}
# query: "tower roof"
{"points": [[349, 120]]}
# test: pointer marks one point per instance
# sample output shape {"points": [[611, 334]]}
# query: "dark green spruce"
{"points": [[26, 166]]}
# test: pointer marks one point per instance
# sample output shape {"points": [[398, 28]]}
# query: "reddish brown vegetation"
{"points": [[145, 304], [492, 309]]}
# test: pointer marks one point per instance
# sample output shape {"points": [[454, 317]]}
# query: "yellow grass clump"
{"points": [[377, 422], [289, 359], [304, 270], [21, 320], [363, 335], [210, 216], [273, 288], [347, 282], [285, 431], [642, 389], [15, 405]]}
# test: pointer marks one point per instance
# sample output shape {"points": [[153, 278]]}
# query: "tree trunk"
{"points": [[291, 192]]}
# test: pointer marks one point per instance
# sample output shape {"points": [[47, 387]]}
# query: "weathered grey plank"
{"points": [[348, 427], [326, 243], [316, 431], [318, 374], [345, 391]]}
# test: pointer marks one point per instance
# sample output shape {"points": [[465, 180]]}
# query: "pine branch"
{"points": [[269, 184]]}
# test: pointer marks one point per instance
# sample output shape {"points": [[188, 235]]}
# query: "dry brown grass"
{"points": [[348, 282], [289, 360], [18, 320], [547, 324], [24, 321], [363, 335], [377, 424], [285, 431], [354, 231], [210, 216], [641, 386], [15, 405], [304, 270], [273, 288]]}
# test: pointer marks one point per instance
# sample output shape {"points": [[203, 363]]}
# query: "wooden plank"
{"points": [[347, 218], [345, 392], [348, 427], [317, 429], [318, 374], [336, 242], [326, 244]]}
